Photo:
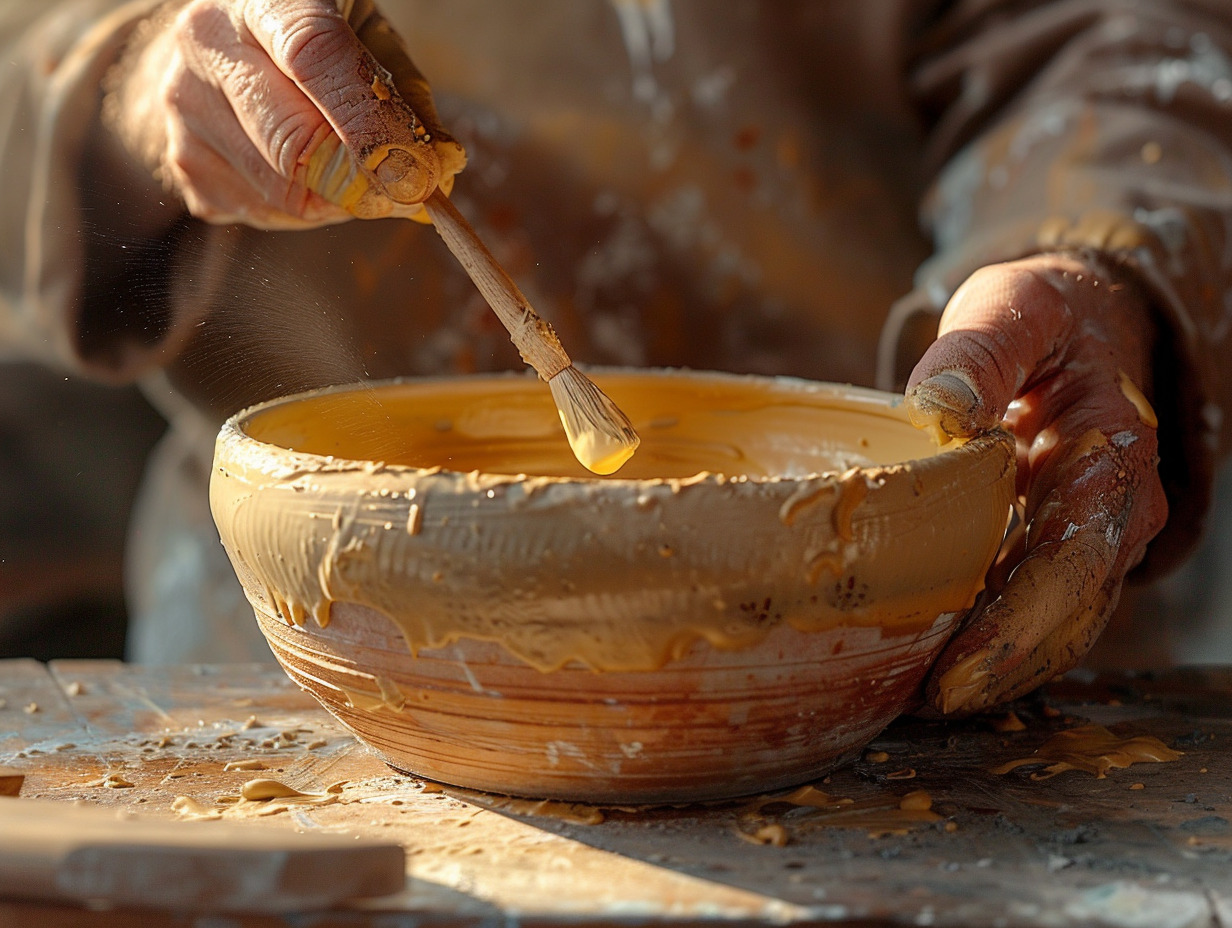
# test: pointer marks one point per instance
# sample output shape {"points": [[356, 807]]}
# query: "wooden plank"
{"points": [[58, 851], [33, 709], [119, 699]]}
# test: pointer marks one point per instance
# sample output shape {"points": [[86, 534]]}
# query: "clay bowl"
{"points": [[756, 595]]}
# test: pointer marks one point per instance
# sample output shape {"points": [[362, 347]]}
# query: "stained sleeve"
{"points": [[1091, 124], [86, 258]]}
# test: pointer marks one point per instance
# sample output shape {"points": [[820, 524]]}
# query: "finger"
{"points": [[214, 191], [1084, 533], [1059, 652], [1000, 327], [1069, 415], [387, 47], [1092, 454], [1052, 583], [280, 125], [206, 119], [313, 46]]}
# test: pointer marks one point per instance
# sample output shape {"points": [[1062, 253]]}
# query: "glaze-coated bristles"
{"points": [[601, 436]]}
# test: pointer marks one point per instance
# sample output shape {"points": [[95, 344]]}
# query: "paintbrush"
{"points": [[385, 177], [601, 436]]}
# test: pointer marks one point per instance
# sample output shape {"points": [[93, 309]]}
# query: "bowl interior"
{"points": [[689, 424]]}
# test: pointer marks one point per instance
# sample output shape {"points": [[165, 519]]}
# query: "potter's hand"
{"points": [[280, 113], [1059, 346]]}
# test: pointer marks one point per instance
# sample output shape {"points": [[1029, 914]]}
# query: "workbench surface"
{"points": [[1147, 845]]}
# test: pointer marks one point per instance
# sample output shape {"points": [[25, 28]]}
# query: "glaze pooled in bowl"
{"points": [[756, 594]]}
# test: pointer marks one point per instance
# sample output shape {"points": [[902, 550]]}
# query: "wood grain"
{"points": [[57, 851]]}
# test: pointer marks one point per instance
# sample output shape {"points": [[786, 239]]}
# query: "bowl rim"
{"points": [[866, 399]]}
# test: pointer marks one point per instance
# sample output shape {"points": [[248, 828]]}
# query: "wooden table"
{"points": [[1149, 845]]}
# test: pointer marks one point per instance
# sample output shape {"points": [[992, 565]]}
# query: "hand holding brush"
{"points": [[309, 113], [393, 181]]}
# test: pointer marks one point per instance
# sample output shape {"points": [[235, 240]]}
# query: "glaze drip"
{"points": [[456, 509]]}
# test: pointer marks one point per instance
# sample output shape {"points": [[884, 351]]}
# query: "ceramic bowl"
{"points": [[755, 596]]}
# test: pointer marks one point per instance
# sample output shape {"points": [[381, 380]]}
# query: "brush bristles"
{"points": [[601, 436]]}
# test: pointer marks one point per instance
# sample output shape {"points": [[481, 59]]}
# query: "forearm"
{"points": [[74, 206], [1080, 126]]}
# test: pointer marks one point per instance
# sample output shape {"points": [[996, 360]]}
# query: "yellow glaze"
{"points": [[1092, 749], [879, 815], [1146, 412], [456, 509], [599, 452]]}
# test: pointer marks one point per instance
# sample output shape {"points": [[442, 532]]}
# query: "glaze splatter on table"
{"points": [[920, 831]]}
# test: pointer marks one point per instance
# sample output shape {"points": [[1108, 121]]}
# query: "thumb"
{"points": [[398, 171], [999, 330]]}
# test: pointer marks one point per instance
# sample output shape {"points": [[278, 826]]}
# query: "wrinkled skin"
{"points": [[228, 101], [1059, 347]]}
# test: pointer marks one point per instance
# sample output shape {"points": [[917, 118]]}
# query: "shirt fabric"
{"points": [[755, 187]]}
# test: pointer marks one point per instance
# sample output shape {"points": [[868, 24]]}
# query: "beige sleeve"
{"points": [[1092, 124], [71, 211]]}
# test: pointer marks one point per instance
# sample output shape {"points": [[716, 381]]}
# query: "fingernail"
{"points": [[945, 403], [405, 177], [962, 683]]}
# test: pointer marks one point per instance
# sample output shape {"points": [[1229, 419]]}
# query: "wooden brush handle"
{"points": [[533, 337]]}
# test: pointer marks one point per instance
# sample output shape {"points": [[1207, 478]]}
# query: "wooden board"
{"points": [[1147, 845], [70, 852]]}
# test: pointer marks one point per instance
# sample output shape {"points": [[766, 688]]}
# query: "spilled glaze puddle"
{"points": [[879, 816], [1092, 749]]}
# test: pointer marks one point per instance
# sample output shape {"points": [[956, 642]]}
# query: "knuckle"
{"points": [[181, 159], [201, 28], [291, 142], [310, 45]]}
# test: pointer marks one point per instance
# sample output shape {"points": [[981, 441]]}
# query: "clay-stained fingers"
{"points": [[1061, 651], [1058, 348], [387, 46], [280, 123], [317, 112], [222, 177], [1094, 504], [1087, 453], [312, 44], [213, 191], [1093, 500], [1053, 582]]}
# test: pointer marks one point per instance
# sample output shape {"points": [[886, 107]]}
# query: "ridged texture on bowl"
{"points": [[712, 725]]}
